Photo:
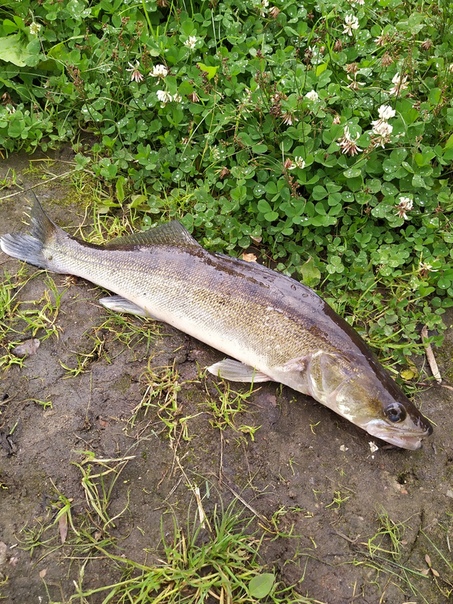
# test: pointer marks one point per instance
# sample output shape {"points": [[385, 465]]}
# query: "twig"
{"points": [[244, 503], [430, 355]]}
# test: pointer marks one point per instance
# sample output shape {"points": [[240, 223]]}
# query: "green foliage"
{"points": [[321, 132], [25, 317], [217, 560]]}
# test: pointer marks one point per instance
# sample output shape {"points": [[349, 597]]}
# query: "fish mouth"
{"points": [[400, 437]]}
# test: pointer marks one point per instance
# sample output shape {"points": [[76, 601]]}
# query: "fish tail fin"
{"points": [[36, 247]]}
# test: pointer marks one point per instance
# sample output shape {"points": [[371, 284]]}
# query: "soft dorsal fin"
{"points": [[171, 233]]}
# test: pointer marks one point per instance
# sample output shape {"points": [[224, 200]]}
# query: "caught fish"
{"points": [[275, 328]]}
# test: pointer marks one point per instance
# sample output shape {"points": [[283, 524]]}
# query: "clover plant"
{"points": [[318, 132]]}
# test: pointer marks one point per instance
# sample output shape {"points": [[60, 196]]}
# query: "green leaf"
{"points": [[208, 69], [138, 201], [259, 148], [263, 206], [311, 275], [319, 192], [261, 585], [13, 50], [320, 209], [435, 94], [407, 167], [120, 188], [417, 182], [16, 125], [320, 69], [9, 26], [239, 193], [449, 143], [187, 26], [271, 187], [271, 216], [352, 173], [414, 24]]}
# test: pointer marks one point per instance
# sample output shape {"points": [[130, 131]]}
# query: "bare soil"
{"points": [[307, 468]]}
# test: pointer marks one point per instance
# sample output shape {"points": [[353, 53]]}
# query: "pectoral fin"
{"points": [[228, 369], [120, 304]]}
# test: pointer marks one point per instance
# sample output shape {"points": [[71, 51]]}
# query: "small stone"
{"points": [[26, 348], [249, 257], [373, 447]]}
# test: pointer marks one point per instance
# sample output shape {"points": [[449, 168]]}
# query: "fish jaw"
{"points": [[399, 438]]}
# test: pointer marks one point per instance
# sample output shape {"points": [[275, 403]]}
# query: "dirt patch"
{"points": [[333, 503]]}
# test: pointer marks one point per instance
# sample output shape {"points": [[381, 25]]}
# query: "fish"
{"points": [[270, 326]]}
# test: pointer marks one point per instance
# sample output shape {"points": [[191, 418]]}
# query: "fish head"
{"points": [[378, 405], [361, 390]]}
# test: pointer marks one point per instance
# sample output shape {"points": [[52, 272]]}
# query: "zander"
{"points": [[274, 327]]}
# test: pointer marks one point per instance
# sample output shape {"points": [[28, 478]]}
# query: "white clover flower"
{"points": [[361, 2], [136, 75], [399, 84], [386, 112], [35, 28], [425, 267], [300, 162], [350, 22], [312, 95], [382, 128], [177, 98], [289, 164], [354, 85], [405, 205], [348, 144], [164, 97], [159, 71], [191, 42], [288, 118], [264, 7]]}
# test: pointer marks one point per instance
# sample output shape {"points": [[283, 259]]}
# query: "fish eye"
{"points": [[395, 412]]}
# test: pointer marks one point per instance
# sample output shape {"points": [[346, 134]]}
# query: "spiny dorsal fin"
{"points": [[171, 233]]}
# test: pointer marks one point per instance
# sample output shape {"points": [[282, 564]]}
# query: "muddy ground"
{"points": [[307, 469]]}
